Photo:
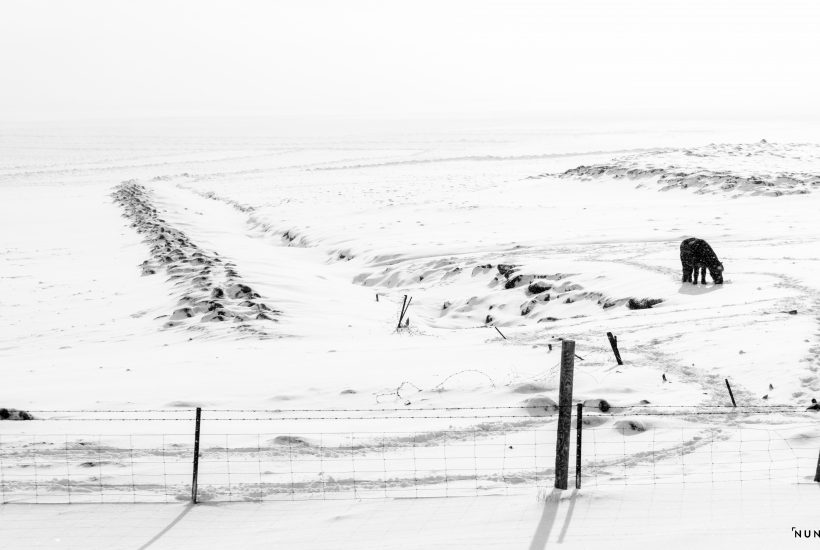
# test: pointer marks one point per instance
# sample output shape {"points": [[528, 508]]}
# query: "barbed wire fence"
{"points": [[372, 453]]}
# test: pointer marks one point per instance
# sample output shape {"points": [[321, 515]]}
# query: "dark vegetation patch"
{"points": [[14, 414], [643, 303]]}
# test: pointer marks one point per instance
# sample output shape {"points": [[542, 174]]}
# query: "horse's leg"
{"points": [[687, 273], [702, 275]]}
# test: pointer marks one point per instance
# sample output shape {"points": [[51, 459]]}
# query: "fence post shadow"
{"points": [[568, 517], [542, 532], [155, 538]]}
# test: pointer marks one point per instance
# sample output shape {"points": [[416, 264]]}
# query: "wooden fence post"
{"points": [[564, 414], [579, 419], [401, 312], [728, 387], [404, 307], [196, 455], [613, 341]]}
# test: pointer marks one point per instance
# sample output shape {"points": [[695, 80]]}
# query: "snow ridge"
{"points": [[705, 169], [209, 289], [290, 237]]}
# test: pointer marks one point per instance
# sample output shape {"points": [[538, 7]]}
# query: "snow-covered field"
{"points": [[258, 272], [644, 517]]}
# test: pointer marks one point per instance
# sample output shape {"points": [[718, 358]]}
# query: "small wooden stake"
{"points": [[578, 430], [564, 414], [501, 333], [613, 341], [730, 392], [196, 455]]}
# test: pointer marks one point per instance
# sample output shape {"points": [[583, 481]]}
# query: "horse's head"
{"points": [[716, 271]]}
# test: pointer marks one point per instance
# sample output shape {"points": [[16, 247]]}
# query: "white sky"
{"points": [[355, 57]]}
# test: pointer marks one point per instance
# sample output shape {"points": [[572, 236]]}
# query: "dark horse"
{"points": [[696, 254]]}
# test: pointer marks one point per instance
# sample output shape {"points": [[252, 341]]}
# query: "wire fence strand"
{"points": [[324, 454]]}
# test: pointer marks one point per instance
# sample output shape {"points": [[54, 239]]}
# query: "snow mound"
{"points": [[540, 405], [631, 426]]}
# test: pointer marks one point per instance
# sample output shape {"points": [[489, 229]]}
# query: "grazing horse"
{"points": [[696, 255]]}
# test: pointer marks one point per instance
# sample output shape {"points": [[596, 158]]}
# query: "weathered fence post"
{"points": [[579, 419], [196, 455], [564, 414], [728, 387], [613, 341]]}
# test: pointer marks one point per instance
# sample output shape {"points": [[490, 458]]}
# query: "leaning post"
{"points": [[817, 473], [613, 341], [579, 419], [196, 455], [405, 305], [564, 414], [731, 395]]}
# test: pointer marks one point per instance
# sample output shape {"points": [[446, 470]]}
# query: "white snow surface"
{"points": [[672, 517], [319, 227]]}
